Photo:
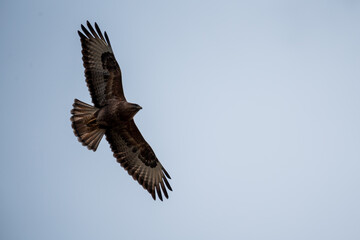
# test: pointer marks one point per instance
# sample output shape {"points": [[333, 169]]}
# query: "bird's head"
{"points": [[132, 109], [127, 110], [135, 107]]}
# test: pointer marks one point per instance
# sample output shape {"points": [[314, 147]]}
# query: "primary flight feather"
{"points": [[113, 116]]}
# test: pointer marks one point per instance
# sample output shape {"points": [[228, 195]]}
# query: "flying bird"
{"points": [[113, 116]]}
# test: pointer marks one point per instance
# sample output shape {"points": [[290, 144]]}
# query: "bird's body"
{"points": [[112, 115], [115, 112]]}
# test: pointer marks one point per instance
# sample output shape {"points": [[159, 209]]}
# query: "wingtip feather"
{"points": [[152, 192], [99, 31], [107, 39], [88, 34], [166, 173], [81, 35], [92, 29], [164, 189], [159, 192], [167, 184]]}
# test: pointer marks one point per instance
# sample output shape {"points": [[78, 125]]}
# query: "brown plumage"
{"points": [[113, 116]]}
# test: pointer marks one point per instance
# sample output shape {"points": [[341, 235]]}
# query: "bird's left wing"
{"points": [[136, 156]]}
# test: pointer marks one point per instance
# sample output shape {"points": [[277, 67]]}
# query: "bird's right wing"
{"points": [[103, 74]]}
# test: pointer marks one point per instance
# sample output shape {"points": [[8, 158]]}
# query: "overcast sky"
{"points": [[253, 107]]}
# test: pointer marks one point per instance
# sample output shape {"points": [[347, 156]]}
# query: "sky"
{"points": [[253, 107]]}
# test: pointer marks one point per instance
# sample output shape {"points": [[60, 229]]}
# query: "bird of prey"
{"points": [[113, 116]]}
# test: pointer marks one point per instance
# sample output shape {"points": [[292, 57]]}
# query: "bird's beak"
{"points": [[136, 106]]}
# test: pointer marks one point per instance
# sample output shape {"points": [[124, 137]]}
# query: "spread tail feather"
{"points": [[84, 124]]}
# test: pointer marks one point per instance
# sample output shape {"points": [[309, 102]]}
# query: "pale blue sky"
{"points": [[253, 107]]}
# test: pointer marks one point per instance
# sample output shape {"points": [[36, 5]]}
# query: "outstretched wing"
{"points": [[102, 72], [136, 156]]}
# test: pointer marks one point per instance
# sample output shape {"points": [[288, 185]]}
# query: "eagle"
{"points": [[113, 116]]}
